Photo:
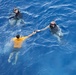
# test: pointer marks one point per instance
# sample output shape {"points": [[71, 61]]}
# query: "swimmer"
{"points": [[16, 18], [17, 15], [54, 29], [17, 46]]}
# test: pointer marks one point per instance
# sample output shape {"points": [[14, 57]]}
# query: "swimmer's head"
{"points": [[53, 23], [17, 36], [16, 10]]}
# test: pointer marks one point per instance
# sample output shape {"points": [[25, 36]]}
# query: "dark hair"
{"points": [[52, 26], [16, 9], [17, 36]]}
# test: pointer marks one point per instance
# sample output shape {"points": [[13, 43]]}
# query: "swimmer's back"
{"points": [[18, 42]]}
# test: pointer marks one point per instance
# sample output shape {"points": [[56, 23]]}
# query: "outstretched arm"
{"points": [[33, 33], [42, 29]]}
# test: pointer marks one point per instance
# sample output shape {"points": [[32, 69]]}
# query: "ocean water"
{"points": [[41, 54]]}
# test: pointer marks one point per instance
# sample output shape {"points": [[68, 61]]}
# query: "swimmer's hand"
{"points": [[37, 30], [34, 32]]}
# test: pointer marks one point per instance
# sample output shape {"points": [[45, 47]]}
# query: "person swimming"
{"points": [[18, 41], [54, 28], [17, 14], [16, 17]]}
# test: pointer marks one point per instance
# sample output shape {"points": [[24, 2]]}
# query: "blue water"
{"points": [[41, 54]]}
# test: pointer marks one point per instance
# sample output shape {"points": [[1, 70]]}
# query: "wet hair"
{"points": [[52, 26], [18, 36], [16, 9]]}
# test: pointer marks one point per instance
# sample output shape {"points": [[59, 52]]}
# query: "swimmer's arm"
{"points": [[12, 39], [59, 28], [45, 28], [42, 29], [33, 33], [26, 37], [11, 16]]}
